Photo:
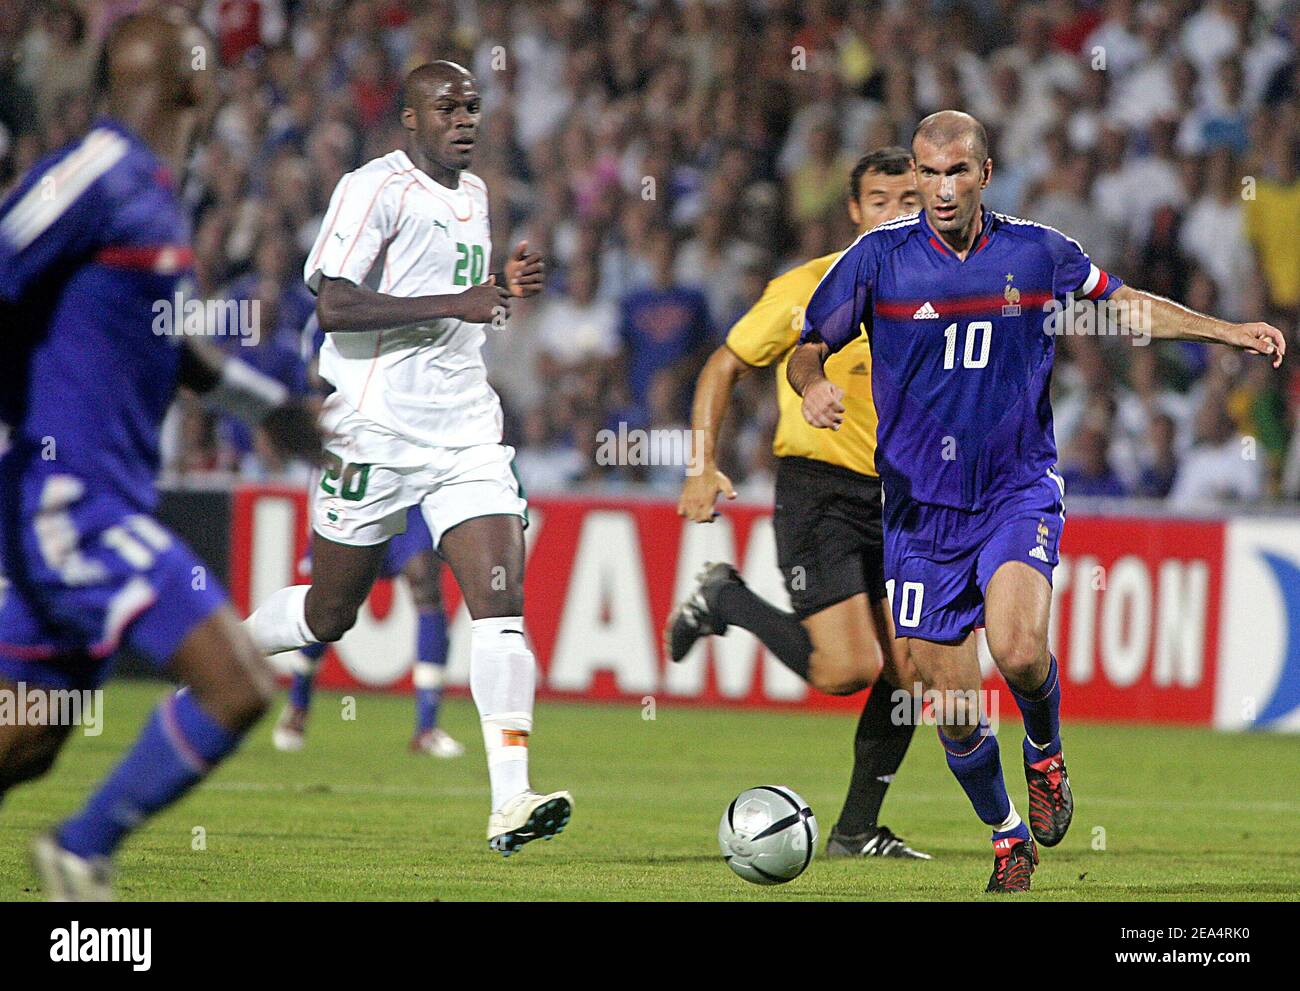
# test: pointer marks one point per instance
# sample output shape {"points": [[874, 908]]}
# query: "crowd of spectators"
{"points": [[670, 157]]}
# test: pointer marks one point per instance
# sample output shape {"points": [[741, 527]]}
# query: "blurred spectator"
{"points": [[1213, 233], [1273, 217], [664, 325], [817, 185], [1222, 466], [1087, 471], [59, 59], [543, 462], [1063, 204], [1161, 466], [577, 331]]}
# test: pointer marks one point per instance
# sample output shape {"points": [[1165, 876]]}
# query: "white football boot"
{"points": [[290, 733], [69, 878], [526, 817], [437, 743]]}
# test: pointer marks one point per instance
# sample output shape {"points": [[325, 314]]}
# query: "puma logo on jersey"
{"points": [[860, 369], [1037, 551], [926, 312], [340, 235], [439, 223]]}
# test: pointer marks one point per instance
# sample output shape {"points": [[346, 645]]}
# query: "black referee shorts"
{"points": [[829, 534]]}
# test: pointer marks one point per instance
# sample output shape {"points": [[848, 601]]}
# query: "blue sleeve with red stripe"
{"points": [[38, 231], [834, 314], [1074, 271]]}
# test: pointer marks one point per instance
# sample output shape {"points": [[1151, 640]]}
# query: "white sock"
{"points": [[280, 623], [427, 675], [1012, 821], [502, 676]]}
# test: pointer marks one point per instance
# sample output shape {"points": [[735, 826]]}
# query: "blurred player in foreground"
{"points": [[90, 240], [411, 555], [840, 638], [961, 307], [403, 295]]}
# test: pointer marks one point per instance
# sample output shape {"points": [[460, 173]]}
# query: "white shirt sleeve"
{"points": [[354, 231]]}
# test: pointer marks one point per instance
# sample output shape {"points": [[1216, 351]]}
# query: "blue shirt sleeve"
{"points": [[43, 223], [836, 310], [1074, 271]]}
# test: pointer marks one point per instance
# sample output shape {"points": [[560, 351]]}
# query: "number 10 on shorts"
{"points": [[909, 606]]}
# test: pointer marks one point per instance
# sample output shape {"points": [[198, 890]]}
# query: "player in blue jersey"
{"points": [[92, 240], [961, 306], [411, 555]]}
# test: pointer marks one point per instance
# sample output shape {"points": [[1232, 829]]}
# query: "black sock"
{"points": [[780, 632], [878, 749]]}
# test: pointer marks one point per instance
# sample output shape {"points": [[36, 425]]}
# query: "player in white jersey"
{"points": [[403, 293]]}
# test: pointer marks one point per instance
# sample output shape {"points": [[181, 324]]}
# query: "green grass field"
{"points": [[1160, 813]]}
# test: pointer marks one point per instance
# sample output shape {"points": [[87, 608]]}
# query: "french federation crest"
{"points": [[1011, 308]]}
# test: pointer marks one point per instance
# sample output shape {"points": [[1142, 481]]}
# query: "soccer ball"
{"points": [[768, 835]]}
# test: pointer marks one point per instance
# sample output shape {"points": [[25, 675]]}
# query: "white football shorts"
{"points": [[373, 476]]}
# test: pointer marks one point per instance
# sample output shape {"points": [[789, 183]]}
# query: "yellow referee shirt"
{"points": [[768, 333]]}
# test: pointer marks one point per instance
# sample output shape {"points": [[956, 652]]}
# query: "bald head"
{"points": [[141, 50], [440, 109], [426, 80], [155, 77], [951, 152], [947, 126]]}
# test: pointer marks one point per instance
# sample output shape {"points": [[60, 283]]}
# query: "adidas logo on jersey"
{"points": [[1037, 551], [926, 312]]}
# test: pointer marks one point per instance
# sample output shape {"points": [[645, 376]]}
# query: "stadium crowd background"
{"points": [[670, 157]]}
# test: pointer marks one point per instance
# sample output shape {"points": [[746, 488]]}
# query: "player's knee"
{"points": [[1017, 653], [841, 670], [900, 668], [330, 621], [244, 691], [244, 699], [28, 755]]}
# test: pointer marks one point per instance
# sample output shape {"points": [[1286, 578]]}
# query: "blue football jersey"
{"points": [[961, 352], [93, 248]]}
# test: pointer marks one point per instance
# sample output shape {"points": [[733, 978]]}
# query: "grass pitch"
{"points": [[1160, 813]]}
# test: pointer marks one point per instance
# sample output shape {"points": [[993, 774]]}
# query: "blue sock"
{"points": [[304, 681], [431, 663], [179, 745], [977, 765], [1041, 712], [1020, 831]]}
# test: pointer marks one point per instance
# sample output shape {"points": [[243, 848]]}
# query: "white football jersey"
{"points": [[393, 229]]}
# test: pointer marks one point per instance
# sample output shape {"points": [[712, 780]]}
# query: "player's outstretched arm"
{"points": [[343, 306], [704, 482], [822, 405], [1168, 319], [239, 389]]}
